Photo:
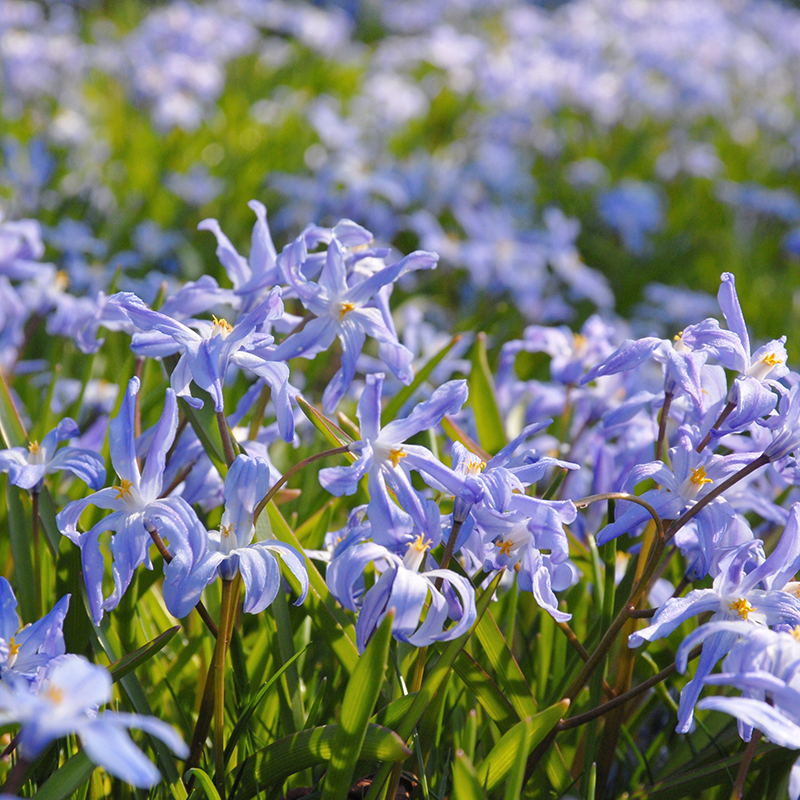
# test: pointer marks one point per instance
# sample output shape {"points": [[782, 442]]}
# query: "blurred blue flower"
{"points": [[66, 702], [634, 209]]}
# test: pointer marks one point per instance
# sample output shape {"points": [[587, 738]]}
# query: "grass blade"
{"points": [[360, 697], [127, 663], [482, 399], [515, 746], [64, 782], [276, 762]]}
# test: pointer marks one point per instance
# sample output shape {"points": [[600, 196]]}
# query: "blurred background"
{"points": [[562, 157]]}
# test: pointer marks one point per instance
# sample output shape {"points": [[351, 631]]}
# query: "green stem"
{"points": [[744, 766], [230, 591], [662, 427], [726, 412], [37, 556], [228, 447]]}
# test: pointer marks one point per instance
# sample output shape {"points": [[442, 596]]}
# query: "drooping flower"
{"points": [[231, 549]]}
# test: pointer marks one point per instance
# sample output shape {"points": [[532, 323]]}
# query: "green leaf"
{"points": [[66, 780], [692, 783], [392, 715], [432, 683], [11, 427], [124, 665], [244, 719], [517, 744], [326, 615], [399, 400], [360, 697], [330, 430], [466, 785], [204, 424], [19, 531], [482, 399], [47, 516], [505, 666], [205, 782], [486, 691], [137, 697], [276, 762]]}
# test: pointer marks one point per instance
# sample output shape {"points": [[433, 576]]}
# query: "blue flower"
{"points": [[24, 650], [341, 310], [27, 467], [136, 505], [387, 461], [734, 596], [231, 549], [400, 583], [66, 702], [206, 356]]}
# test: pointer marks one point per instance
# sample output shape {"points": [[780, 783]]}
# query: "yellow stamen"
{"points": [[124, 489], [13, 648], [226, 530], [475, 467], [742, 607], [420, 543], [222, 323], [33, 447], [396, 454], [578, 341], [505, 547], [345, 308], [796, 632], [62, 279], [771, 360], [55, 694], [699, 476], [678, 336]]}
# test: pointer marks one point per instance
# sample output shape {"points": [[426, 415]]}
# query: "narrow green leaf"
{"points": [[330, 430], [11, 427], [466, 785], [276, 762], [482, 399], [392, 715], [516, 745], [399, 400], [432, 683], [486, 691], [205, 782], [325, 613], [138, 699], [505, 666], [47, 516], [204, 424], [692, 783], [67, 779], [19, 530], [244, 719], [124, 665], [360, 697]]}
